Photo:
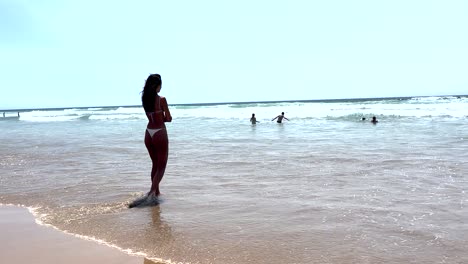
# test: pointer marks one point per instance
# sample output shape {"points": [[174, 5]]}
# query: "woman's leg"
{"points": [[158, 149], [148, 144]]}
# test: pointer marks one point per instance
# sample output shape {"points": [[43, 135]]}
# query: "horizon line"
{"points": [[244, 102]]}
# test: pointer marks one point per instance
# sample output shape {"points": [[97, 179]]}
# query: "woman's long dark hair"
{"points": [[148, 97]]}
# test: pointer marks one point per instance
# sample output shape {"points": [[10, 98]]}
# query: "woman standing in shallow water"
{"points": [[156, 139]]}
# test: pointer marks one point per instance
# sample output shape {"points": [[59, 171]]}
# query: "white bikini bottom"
{"points": [[153, 131]]}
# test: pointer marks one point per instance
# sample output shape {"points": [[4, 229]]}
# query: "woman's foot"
{"points": [[153, 193]]}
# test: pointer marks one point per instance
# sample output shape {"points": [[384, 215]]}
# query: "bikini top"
{"points": [[156, 106], [158, 100]]}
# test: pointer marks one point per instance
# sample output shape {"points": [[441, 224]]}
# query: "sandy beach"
{"points": [[24, 241]]}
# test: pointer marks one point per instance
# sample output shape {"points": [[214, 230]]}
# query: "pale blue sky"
{"points": [[60, 53]]}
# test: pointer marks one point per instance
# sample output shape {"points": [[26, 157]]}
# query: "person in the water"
{"points": [[374, 120], [253, 120], [280, 118]]}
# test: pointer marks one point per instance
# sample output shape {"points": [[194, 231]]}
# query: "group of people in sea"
{"points": [[373, 121], [279, 118]]}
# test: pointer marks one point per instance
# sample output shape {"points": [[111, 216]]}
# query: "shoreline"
{"points": [[25, 241]]}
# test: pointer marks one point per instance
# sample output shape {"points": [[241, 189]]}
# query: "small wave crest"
{"points": [[448, 106]]}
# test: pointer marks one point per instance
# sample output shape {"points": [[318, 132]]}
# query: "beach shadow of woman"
{"points": [[160, 232]]}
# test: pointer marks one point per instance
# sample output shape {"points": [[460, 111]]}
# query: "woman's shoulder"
{"points": [[163, 101]]}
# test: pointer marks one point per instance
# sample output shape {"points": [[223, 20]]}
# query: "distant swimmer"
{"points": [[280, 118], [253, 120], [363, 119], [374, 120]]}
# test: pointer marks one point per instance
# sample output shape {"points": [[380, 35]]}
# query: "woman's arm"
{"points": [[165, 107]]}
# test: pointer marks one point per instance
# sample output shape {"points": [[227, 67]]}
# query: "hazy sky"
{"points": [[59, 53]]}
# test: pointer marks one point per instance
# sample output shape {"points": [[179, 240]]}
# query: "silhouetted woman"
{"points": [[156, 140]]}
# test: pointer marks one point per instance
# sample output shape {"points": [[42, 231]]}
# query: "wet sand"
{"points": [[24, 241]]}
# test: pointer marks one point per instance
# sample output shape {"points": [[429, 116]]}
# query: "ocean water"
{"points": [[324, 187]]}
